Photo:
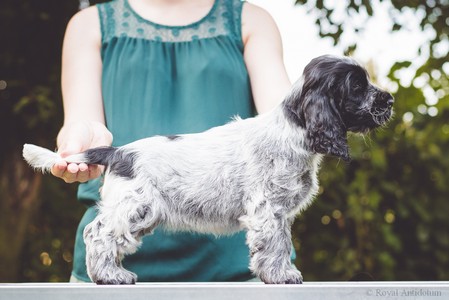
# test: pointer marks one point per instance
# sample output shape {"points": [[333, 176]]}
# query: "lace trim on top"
{"points": [[118, 19]]}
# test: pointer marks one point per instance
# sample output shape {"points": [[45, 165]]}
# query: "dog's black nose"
{"points": [[388, 98]]}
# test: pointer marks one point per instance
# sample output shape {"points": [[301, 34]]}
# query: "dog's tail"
{"points": [[43, 159]]}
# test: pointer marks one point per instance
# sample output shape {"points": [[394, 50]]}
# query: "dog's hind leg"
{"points": [[269, 241], [103, 255], [116, 232]]}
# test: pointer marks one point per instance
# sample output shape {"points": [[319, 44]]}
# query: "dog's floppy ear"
{"points": [[326, 133]]}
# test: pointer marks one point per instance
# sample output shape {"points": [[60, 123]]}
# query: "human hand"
{"points": [[77, 137]]}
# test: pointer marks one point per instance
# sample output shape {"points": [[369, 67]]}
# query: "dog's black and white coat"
{"points": [[254, 174]]}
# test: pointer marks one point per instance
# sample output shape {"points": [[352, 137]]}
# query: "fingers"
{"points": [[59, 168], [75, 168], [75, 172]]}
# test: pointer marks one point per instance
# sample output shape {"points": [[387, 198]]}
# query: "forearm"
{"points": [[81, 74]]}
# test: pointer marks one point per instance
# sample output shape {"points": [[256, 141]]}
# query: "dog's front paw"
{"points": [[291, 276], [119, 277]]}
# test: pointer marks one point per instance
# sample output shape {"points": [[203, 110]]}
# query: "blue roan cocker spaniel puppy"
{"points": [[255, 174]]}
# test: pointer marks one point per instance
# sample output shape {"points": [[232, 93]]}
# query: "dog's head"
{"points": [[334, 96]]}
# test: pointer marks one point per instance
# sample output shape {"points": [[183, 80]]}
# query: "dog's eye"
{"points": [[357, 86]]}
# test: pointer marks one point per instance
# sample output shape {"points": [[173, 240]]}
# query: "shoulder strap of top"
{"points": [[234, 16], [107, 12]]}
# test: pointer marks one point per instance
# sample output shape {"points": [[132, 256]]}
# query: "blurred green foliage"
{"points": [[48, 249], [382, 216]]}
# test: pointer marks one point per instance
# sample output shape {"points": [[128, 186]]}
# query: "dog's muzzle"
{"points": [[384, 100], [381, 110]]}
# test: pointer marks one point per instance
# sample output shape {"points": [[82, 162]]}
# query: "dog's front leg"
{"points": [[269, 240]]}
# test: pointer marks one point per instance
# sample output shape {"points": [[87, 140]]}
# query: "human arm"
{"points": [[263, 56], [84, 123]]}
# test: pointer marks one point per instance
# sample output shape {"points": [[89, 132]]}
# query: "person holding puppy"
{"points": [[138, 68]]}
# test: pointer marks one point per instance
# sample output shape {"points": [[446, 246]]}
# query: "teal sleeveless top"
{"points": [[165, 80]]}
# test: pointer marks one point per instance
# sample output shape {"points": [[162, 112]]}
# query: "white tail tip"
{"points": [[40, 158]]}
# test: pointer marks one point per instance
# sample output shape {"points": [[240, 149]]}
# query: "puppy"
{"points": [[254, 174]]}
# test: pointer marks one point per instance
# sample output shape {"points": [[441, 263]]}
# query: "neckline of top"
{"points": [[193, 24]]}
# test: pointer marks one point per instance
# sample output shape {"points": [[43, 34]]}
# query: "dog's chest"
{"points": [[308, 188], [294, 185]]}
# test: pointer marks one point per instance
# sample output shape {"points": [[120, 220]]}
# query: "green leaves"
{"points": [[35, 108]]}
